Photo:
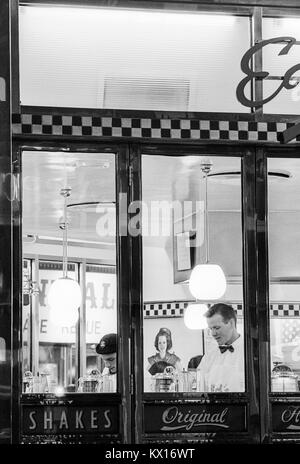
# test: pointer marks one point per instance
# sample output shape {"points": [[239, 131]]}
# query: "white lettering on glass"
{"points": [[175, 420]]}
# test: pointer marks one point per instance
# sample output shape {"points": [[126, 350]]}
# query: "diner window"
{"points": [[55, 338], [181, 352], [29, 287], [284, 272], [166, 60], [60, 344], [288, 100], [101, 313]]}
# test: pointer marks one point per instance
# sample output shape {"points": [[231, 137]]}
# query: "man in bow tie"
{"points": [[222, 367]]}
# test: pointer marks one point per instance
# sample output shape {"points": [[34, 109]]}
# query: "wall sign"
{"points": [[286, 417], [69, 419], [195, 418], [287, 81], [100, 303]]}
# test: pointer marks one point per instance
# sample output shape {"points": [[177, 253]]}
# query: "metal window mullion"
{"points": [[63, 381], [32, 299], [249, 293], [15, 72], [257, 64], [262, 287], [123, 269], [81, 326]]}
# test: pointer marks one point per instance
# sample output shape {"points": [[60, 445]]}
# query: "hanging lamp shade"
{"points": [[64, 299], [207, 282], [64, 296], [194, 318]]}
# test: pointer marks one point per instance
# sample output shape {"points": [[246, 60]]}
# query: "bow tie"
{"points": [[223, 348]]}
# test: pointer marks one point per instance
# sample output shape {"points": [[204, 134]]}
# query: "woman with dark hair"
{"points": [[163, 358]]}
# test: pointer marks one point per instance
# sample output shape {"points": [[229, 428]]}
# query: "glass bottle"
{"points": [[44, 387], [27, 382]]}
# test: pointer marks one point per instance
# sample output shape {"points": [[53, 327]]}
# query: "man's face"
{"points": [[110, 361], [221, 331]]}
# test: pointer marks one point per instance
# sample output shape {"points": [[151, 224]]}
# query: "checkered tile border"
{"points": [[193, 129], [176, 309], [285, 310]]}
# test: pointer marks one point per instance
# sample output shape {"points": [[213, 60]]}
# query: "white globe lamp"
{"points": [[194, 318], [64, 299], [207, 282], [64, 296]]}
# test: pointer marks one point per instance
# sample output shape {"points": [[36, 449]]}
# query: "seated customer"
{"points": [[107, 348]]}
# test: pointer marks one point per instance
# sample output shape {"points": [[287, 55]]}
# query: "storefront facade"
{"points": [[143, 145]]}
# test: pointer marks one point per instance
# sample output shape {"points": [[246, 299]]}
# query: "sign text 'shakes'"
{"points": [[69, 419]]}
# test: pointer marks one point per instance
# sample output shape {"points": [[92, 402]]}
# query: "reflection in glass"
{"points": [[69, 57], [284, 273], [276, 64], [59, 355], [56, 340], [101, 320], [26, 314]]}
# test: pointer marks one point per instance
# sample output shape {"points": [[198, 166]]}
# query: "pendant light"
{"points": [[207, 281], [194, 318], [64, 296]]}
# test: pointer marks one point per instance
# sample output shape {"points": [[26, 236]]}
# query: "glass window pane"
{"points": [[56, 338], [284, 271], [287, 101], [101, 319], [165, 60], [28, 287], [59, 350], [173, 213]]}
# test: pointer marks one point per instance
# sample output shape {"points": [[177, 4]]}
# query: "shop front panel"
{"points": [[72, 367], [72, 419], [194, 418], [186, 395], [286, 417]]}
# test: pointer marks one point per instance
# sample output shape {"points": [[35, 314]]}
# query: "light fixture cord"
{"points": [[65, 240], [206, 222], [65, 192], [206, 165]]}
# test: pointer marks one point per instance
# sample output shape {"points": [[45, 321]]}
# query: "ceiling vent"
{"points": [[146, 94]]}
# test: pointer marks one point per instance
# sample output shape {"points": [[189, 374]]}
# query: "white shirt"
{"points": [[223, 372]]}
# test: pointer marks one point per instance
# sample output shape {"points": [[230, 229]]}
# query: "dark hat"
{"points": [[194, 362], [107, 344]]}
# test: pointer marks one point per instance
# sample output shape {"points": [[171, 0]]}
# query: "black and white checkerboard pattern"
{"points": [[176, 309], [285, 310], [164, 128]]}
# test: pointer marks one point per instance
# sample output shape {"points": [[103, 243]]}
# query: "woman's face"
{"points": [[162, 343]]}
